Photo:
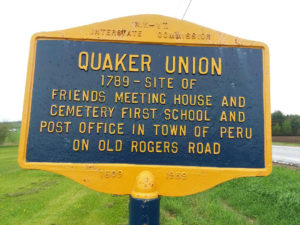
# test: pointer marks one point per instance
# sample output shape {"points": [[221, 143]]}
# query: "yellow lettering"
{"points": [[107, 64], [43, 125], [215, 67], [145, 61], [203, 72], [119, 62], [54, 93], [132, 63], [80, 61], [223, 117], [184, 64], [167, 65], [99, 61]]}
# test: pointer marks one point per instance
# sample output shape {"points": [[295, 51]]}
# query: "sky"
{"points": [[275, 23]]}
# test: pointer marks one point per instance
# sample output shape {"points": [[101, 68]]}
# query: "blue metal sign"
{"points": [[147, 104]]}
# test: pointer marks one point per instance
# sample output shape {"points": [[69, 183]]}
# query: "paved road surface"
{"points": [[286, 154]]}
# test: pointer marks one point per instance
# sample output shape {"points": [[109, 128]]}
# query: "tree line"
{"points": [[285, 125]]}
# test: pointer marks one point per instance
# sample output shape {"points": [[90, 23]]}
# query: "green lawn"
{"points": [[39, 197]]}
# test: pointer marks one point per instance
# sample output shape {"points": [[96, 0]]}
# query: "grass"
{"points": [[286, 144], [266, 200], [39, 197]]}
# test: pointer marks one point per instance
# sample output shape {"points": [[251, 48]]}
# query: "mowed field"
{"points": [[39, 197]]}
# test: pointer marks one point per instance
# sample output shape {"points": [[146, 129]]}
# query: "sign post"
{"points": [[144, 201], [147, 106]]}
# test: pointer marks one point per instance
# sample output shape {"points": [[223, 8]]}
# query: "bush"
{"points": [[3, 132]]}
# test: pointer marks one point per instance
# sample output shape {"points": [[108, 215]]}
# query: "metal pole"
{"points": [[144, 211], [144, 201]]}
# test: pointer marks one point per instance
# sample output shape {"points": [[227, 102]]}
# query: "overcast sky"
{"points": [[275, 23]]}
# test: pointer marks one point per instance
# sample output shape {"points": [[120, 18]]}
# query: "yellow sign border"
{"points": [[120, 178]]}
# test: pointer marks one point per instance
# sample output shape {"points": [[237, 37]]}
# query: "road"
{"points": [[286, 155]]}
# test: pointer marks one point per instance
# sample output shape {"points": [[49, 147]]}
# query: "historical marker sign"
{"points": [[109, 100]]}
